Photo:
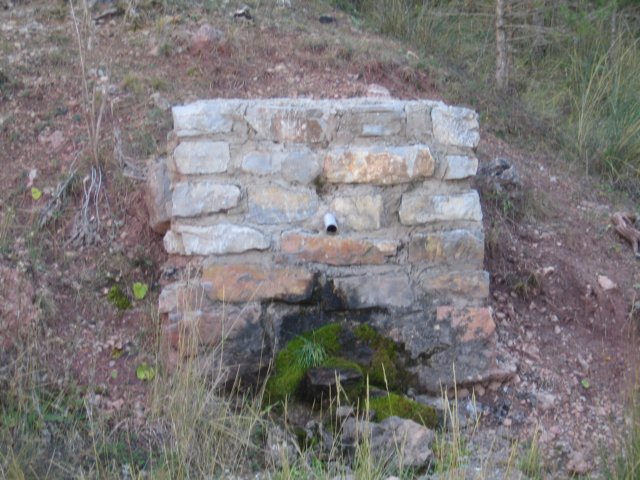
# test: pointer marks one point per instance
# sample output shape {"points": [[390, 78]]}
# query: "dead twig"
{"points": [[624, 224]]}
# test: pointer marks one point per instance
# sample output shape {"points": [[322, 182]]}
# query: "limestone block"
{"points": [[419, 126], [173, 243], [382, 291], [201, 157], [274, 204], [260, 163], [206, 117], [362, 212], [220, 239], [300, 166], [333, 250], [373, 119], [420, 207], [288, 122], [455, 126], [467, 284], [455, 246], [250, 282], [460, 166], [191, 199], [158, 195], [379, 165]]}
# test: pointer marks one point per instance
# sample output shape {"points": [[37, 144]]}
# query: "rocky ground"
{"points": [[564, 286]]}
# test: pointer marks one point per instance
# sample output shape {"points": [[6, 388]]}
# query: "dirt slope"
{"points": [[574, 341]]}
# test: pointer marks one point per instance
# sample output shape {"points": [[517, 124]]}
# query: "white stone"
{"points": [[201, 157], [456, 126], [460, 166], [206, 117], [420, 207], [173, 243], [191, 199], [358, 213], [220, 239]]}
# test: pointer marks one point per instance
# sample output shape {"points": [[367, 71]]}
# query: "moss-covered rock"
{"points": [[384, 369], [400, 406], [291, 363]]}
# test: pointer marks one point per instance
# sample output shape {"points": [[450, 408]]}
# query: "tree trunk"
{"points": [[502, 47]]}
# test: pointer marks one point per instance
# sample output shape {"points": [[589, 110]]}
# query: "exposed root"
{"points": [[86, 224]]}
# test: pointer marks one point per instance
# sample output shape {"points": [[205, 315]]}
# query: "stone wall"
{"points": [[250, 183]]}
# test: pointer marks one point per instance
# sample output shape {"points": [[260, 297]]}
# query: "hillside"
{"points": [[85, 103]]}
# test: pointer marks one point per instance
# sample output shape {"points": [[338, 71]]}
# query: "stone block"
{"points": [[419, 207], [206, 117], [300, 166], [250, 282], [362, 212], [467, 284], [273, 204], [332, 250], [380, 119], [469, 324], [460, 166], [455, 126], [374, 291], [455, 246], [220, 239], [158, 195], [259, 163], [378, 165], [191, 199], [419, 120], [201, 157], [173, 243], [287, 122], [229, 340]]}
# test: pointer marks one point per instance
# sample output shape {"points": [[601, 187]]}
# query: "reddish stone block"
{"points": [[470, 323], [297, 247], [248, 282]]}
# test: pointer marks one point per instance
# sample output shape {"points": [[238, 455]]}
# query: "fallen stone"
{"points": [[606, 283], [205, 38], [377, 91], [419, 207], [160, 102], [379, 166], [157, 195], [331, 250], [220, 239], [191, 199], [407, 439], [201, 157], [246, 282], [273, 204]]}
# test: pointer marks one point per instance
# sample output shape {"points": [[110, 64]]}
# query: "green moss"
{"points": [[118, 298], [290, 364], [399, 406], [383, 370]]}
